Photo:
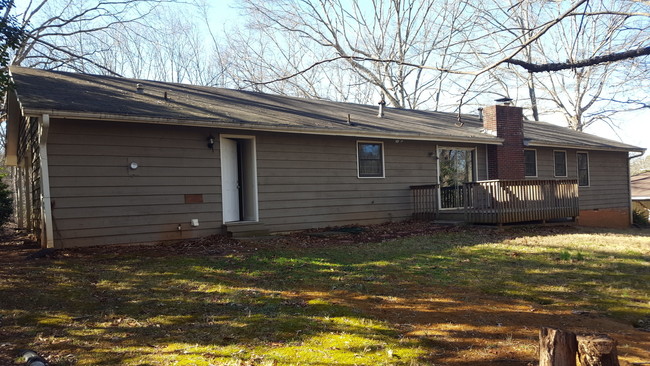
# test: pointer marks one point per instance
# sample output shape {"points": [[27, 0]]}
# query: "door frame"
{"points": [[474, 155], [247, 166]]}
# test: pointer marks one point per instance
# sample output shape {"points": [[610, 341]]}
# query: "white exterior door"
{"points": [[230, 180], [238, 178]]}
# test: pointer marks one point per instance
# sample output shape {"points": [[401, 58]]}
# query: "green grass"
{"points": [[295, 305]]}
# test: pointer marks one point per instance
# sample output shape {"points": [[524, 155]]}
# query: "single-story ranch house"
{"points": [[107, 160]]}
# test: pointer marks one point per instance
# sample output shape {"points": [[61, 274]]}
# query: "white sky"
{"points": [[634, 129]]}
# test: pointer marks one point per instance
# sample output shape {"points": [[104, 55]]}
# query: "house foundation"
{"points": [[616, 218]]}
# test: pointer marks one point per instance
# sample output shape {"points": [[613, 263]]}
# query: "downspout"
{"points": [[18, 195], [48, 240], [629, 186]]}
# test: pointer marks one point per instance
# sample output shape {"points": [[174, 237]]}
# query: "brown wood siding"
{"points": [[311, 181], [98, 200], [304, 181], [609, 181], [546, 167], [545, 161]]}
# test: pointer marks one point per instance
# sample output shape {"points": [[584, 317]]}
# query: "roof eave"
{"points": [[236, 125], [586, 147]]}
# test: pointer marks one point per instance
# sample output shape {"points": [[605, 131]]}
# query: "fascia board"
{"points": [[236, 125]]}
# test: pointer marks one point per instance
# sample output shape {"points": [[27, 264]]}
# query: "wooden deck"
{"points": [[425, 201], [505, 201]]}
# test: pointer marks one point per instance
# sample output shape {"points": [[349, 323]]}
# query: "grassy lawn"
{"points": [[456, 296]]}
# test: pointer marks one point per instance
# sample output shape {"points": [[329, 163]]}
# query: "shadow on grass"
{"points": [[424, 299]]}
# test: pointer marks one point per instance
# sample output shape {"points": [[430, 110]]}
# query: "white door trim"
{"points": [[234, 209]]}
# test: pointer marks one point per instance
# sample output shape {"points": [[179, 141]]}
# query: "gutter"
{"points": [[47, 233], [636, 156], [589, 147]]}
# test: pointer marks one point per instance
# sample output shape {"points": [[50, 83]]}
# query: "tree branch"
{"points": [[612, 57], [82, 57]]}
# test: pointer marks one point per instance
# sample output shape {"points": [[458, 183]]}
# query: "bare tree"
{"points": [[67, 33], [597, 32], [408, 32], [152, 39], [173, 49], [568, 57], [580, 94]]}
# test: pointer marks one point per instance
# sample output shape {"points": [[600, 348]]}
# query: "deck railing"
{"points": [[505, 201], [425, 201], [452, 197]]}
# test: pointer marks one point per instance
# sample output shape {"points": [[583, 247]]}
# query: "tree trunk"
{"points": [[597, 350], [557, 347], [533, 97]]}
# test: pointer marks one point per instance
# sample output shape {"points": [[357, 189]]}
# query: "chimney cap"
{"points": [[504, 100]]}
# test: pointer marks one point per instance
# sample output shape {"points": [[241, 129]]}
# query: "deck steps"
{"points": [[245, 229]]}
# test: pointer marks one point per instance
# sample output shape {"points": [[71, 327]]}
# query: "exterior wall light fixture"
{"points": [[211, 142]]}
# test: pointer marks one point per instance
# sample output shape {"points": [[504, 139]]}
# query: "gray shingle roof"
{"points": [[548, 134], [73, 95], [640, 184]]}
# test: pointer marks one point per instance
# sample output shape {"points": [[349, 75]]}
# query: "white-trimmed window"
{"points": [[583, 169], [559, 163], [530, 163], [370, 159]]}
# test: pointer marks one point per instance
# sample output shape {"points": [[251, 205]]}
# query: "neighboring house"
{"points": [[640, 184], [107, 160]]}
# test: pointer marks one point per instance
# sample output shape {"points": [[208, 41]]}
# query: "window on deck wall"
{"points": [[530, 163], [583, 169], [560, 163], [370, 159]]}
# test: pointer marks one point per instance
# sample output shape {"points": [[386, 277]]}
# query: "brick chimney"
{"points": [[505, 161]]}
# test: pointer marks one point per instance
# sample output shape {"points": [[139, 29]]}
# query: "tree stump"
{"points": [[597, 350], [557, 347]]}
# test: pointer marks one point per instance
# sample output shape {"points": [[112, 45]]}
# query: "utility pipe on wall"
{"points": [[48, 232]]}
